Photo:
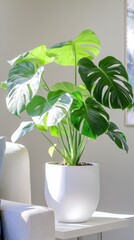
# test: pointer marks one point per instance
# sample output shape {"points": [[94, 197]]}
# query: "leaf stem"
{"points": [[47, 88], [53, 145], [63, 143], [70, 137], [75, 66]]}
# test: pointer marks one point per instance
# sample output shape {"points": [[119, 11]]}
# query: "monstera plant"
{"points": [[70, 112]]}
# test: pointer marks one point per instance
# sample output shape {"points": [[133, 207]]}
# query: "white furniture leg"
{"points": [[79, 238], [99, 236]]}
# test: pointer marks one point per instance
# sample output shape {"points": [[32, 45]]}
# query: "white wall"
{"points": [[25, 24]]}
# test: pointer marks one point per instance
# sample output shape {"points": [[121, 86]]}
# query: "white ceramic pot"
{"points": [[72, 191]]}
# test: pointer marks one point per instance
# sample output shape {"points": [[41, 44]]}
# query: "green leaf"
{"points": [[69, 53], [108, 82], [64, 86], [18, 59], [36, 55], [70, 88], [37, 106], [54, 131], [39, 54], [54, 108], [3, 85], [89, 118], [117, 137], [51, 150], [59, 109], [22, 84], [22, 130], [40, 127]]}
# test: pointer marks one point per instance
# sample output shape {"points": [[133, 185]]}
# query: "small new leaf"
{"points": [[51, 150], [3, 85]]}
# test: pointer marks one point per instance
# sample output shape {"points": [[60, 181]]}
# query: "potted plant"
{"points": [[70, 112]]}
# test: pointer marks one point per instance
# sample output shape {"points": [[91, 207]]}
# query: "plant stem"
{"points": [[67, 138], [70, 138], [63, 143], [47, 88], [75, 74], [75, 144], [53, 145], [75, 66], [81, 146]]}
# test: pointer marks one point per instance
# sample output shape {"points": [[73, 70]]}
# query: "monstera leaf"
{"points": [[117, 137], [22, 130], [89, 117], [70, 88], [108, 82], [49, 112], [37, 56], [69, 53], [22, 85]]}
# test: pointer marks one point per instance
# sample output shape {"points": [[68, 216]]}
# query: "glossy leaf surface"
{"points": [[22, 84], [37, 56], [54, 108], [108, 82], [69, 53], [117, 137], [89, 118]]}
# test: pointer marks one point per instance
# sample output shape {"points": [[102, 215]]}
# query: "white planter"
{"points": [[72, 191]]}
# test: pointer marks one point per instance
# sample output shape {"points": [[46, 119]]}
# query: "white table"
{"points": [[98, 223]]}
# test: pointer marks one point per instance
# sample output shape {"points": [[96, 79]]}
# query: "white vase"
{"points": [[72, 191]]}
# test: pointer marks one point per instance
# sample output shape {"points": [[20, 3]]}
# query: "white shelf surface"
{"points": [[99, 222]]}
